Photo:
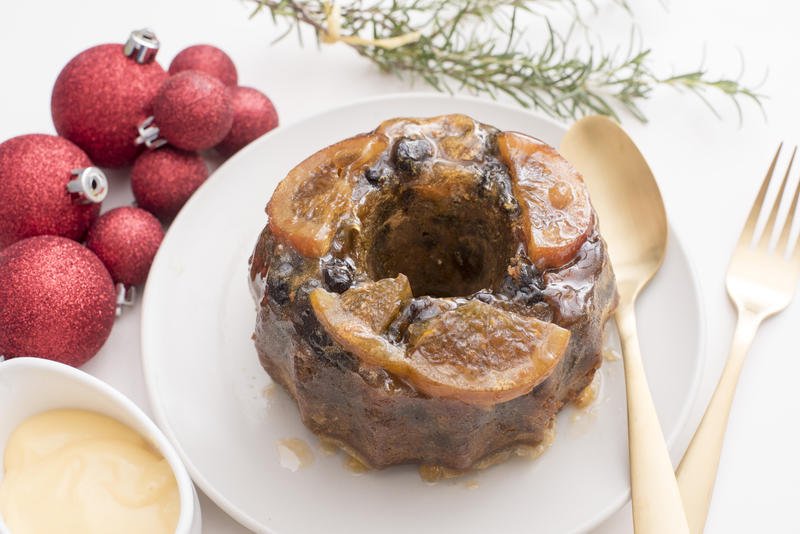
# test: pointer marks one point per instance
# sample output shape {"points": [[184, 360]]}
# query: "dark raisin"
{"points": [[484, 296], [305, 320], [529, 275], [529, 295], [312, 331], [278, 282], [337, 274], [373, 176], [418, 309], [496, 181], [410, 154], [379, 174], [525, 285]]}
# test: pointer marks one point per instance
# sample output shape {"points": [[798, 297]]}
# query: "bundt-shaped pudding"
{"points": [[432, 292]]}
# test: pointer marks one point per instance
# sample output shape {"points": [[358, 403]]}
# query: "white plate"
{"points": [[215, 403]]}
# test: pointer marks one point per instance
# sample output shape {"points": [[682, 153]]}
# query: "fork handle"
{"points": [[657, 507], [697, 471]]}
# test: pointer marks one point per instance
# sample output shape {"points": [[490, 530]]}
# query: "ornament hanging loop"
{"points": [[148, 134], [142, 46], [91, 185], [126, 297]]}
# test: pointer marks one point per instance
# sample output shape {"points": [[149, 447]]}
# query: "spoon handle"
{"points": [[657, 506], [697, 471]]}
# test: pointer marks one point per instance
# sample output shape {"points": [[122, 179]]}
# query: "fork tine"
{"points": [[783, 240], [795, 259], [750, 225], [773, 214]]}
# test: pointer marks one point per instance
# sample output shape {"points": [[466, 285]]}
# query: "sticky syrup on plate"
{"points": [[269, 391], [294, 454], [589, 393], [355, 466], [328, 448]]}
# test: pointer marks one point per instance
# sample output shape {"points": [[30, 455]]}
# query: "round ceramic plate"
{"points": [[227, 419]]}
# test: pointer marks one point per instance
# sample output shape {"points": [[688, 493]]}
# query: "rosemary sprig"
{"points": [[478, 45]]}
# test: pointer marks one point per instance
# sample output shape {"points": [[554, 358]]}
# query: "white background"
{"points": [[708, 170]]}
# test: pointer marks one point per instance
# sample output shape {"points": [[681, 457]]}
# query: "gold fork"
{"points": [[760, 283]]}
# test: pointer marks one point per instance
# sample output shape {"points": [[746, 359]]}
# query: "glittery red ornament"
{"points": [[163, 180], [102, 96], [126, 241], [192, 110], [208, 59], [57, 301], [253, 116], [39, 194]]}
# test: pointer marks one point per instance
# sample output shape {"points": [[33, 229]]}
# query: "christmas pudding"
{"points": [[432, 292]]}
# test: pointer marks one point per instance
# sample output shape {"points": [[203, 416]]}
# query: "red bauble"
{"points": [[57, 300], [35, 171], [126, 241], [193, 110], [208, 59], [253, 116], [163, 180], [101, 97]]}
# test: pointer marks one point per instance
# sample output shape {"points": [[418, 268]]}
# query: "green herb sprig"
{"points": [[478, 45]]}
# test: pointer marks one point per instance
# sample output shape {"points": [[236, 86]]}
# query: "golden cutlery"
{"points": [[634, 224], [760, 282]]}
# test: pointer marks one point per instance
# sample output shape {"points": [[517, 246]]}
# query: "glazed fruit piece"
{"points": [[308, 203], [357, 318], [553, 198], [475, 353], [482, 355]]}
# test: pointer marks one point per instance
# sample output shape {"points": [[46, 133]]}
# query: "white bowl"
{"points": [[29, 386]]}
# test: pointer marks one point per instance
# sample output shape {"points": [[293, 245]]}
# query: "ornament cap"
{"points": [[126, 297], [142, 46], [149, 134], [91, 185]]}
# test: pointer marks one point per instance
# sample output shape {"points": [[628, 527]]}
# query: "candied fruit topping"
{"points": [[552, 196], [457, 136], [376, 303], [483, 355], [356, 318], [475, 353], [308, 204]]}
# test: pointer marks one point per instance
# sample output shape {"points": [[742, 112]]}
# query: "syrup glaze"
{"points": [[439, 205]]}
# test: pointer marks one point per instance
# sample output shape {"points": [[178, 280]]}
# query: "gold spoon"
{"points": [[634, 225]]}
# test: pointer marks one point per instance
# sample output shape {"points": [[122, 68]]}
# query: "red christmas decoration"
{"points": [[208, 59], [253, 116], [126, 241], [104, 93], [57, 300], [47, 186], [192, 110], [163, 180]]}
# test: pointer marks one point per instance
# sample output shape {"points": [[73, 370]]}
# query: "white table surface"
{"points": [[708, 170]]}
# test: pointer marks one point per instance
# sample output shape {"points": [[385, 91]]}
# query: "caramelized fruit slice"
{"points": [[376, 303], [553, 198], [308, 204], [475, 353], [480, 354], [356, 318], [457, 135]]}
